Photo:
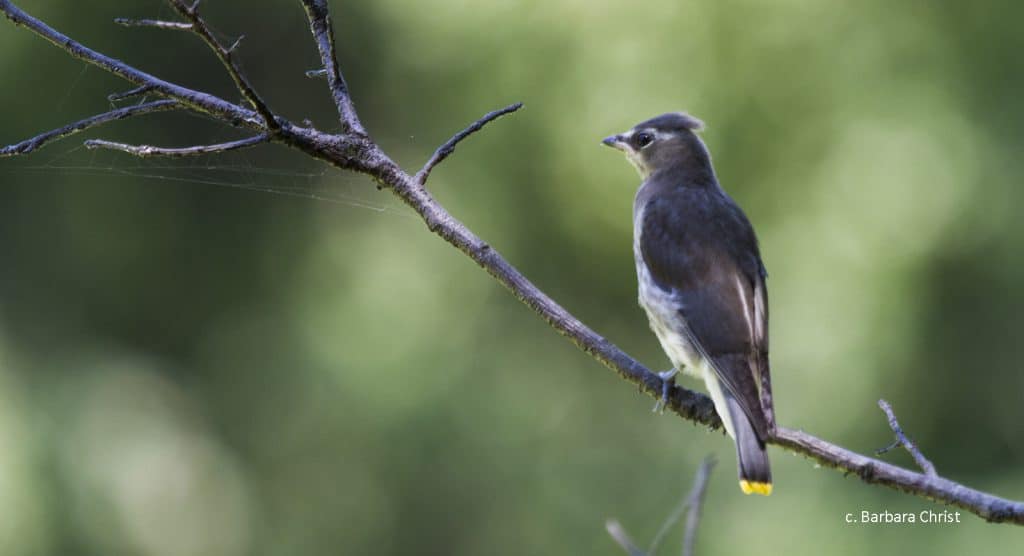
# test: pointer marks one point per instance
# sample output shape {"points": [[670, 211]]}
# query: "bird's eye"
{"points": [[643, 139]]}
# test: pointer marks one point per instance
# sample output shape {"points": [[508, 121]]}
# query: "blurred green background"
{"points": [[255, 354]]}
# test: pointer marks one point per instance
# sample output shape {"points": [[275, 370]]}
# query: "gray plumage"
{"points": [[702, 282]]}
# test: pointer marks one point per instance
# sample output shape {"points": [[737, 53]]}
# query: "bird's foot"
{"points": [[668, 381]]}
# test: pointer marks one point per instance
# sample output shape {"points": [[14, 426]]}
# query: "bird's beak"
{"points": [[615, 142]]}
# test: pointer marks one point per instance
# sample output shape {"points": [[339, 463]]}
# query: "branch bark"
{"points": [[353, 150], [319, 15]]}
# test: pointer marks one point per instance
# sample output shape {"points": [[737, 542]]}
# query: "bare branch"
{"points": [[159, 24], [319, 16], [691, 504], [696, 504], [200, 102], [34, 143], [199, 27], [147, 151], [621, 537], [114, 97], [445, 150], [987, 506], [901, 439]]}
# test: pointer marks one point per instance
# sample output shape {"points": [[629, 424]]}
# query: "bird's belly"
{"points": [[663, 314]]}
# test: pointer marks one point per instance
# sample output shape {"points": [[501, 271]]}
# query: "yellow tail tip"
{"points": [[749, 487]]}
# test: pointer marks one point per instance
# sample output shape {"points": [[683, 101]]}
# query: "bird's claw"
{"points": [[668, 381]]}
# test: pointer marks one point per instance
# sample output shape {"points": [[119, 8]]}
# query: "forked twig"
{"points": [[200, 102], [319, 16], [902, 440], [691, 504], [225, 55]]}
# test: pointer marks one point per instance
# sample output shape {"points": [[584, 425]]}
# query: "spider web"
{"points": [[237, 171]]}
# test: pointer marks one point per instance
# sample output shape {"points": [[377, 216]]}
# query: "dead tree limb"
{"points": [[353, 150]]}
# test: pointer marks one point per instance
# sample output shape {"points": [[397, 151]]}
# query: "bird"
{"points": [[701, 282]]}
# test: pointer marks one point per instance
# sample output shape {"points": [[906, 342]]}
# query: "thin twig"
{"points": [[319, 16], [670, 520], [691, 504], [159, 24], [620, 536], [225, 55], [147, 151], [34, 143], [445, 150], [696, 504], [908, 444], [114, 97], [316, 74]]}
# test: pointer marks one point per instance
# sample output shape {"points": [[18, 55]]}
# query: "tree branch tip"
{"points": [[902, 439], [445, 150], [316, 73], [618, 534]]}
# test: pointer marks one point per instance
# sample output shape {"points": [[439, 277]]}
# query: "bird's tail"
{"points": [[751, 452]]}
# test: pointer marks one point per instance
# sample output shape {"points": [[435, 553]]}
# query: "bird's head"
{"points": [[665, 142]]}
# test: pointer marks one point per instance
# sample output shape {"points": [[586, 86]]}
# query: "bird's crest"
{"points": [[673, 121]]}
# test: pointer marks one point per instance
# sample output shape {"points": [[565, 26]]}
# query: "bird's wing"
{"points": [[702, 249]]}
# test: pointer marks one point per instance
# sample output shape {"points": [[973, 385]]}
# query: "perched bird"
{"points": [[702, 282]]}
